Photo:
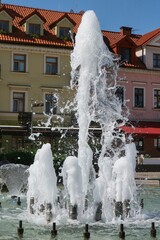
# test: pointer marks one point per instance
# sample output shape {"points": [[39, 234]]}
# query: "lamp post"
{"points": [[34, 105], [26, 118]]}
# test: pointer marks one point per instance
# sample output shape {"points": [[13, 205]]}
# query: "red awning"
{"points": [[141, 130]]}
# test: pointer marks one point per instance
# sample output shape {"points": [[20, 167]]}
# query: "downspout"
{"points": [[142, 54]]}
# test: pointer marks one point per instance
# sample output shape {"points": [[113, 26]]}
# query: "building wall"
{"points": [[149, 56], [149, 80], [34, 81]]}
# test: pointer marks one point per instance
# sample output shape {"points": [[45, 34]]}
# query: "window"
{"points": [[64, 32], [156, 98], [50, 103], [126, 54], [18, 102], [19, 63], [157, 143], [4, 26], [139, 142], [120, 94], [139, 97], [51, 65], [156, 60], [34, 28]]}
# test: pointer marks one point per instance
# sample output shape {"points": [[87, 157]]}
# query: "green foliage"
{"points": [[58, 159], [65, 38], [34, 35], [18, 157], [3, 31]]}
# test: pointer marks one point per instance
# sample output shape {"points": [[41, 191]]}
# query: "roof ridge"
{"points": [[148, 36], [155, 30], [42, 9], [131, 35], [110, 31]]}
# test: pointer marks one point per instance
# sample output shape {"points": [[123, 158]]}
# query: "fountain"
{"points": [[94, 73], [112, 196], [13, 178], [42, 188]]}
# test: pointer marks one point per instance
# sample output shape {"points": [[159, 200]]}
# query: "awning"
{"points": [[141, 130]]}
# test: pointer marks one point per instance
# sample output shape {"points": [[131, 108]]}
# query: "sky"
{"points": [[142, 15]]}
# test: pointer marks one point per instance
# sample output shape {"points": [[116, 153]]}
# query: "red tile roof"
{"points": [[148, 37], [113, 38], [65, 15], [137, 64], [19, 15], [30, 15]]}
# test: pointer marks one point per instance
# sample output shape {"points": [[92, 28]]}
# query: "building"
{"points": [[35, 48], [139, 85]]}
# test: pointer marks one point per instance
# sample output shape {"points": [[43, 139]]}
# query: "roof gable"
{"points": [[19, 32], [64, 16], [32, 14], [4, 11], [150, 37], [115, 38], [127, 41], [155, 41], [20, 14]]}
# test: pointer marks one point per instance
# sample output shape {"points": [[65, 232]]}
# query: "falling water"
{"points": [[94, 72], [42, 182], [94, 77]]}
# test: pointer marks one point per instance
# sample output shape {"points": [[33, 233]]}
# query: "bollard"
{"points": [[41, 208], [58, 199], [53, 231], [98, 213], [20, 230], [141, 204], [49, 214], [121, 233], [19, 201], [31, 205], [73, 211], [86, 234], [0, 204], [118, 209], [153, 231], [126, 207]]}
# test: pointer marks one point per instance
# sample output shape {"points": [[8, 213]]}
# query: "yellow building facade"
{"points": [[35, 71]]}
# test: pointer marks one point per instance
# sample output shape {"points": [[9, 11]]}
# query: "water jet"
{"points": [[111, 195]]}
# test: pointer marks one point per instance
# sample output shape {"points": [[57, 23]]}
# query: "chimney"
{"points": [[126, 30]]}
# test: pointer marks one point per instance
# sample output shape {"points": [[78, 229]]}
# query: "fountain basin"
{"points": [[135, 229]]}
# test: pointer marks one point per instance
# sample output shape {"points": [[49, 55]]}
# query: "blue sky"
{"points": [[142, 15]]}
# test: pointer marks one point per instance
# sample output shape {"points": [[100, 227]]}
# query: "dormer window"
{"points": [[34, 28], [126, 54], [64, 32], [4, 26], [33, 24], [63, 27], [5, 21]]}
